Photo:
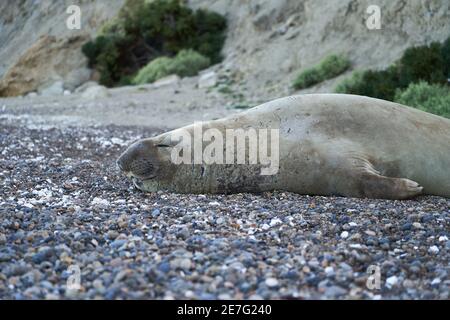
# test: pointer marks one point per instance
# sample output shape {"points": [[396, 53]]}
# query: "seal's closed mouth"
{"points": [[136, 178]]}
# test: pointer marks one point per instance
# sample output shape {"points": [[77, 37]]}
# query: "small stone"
{"points": [[433, 250], [329, 271], [156, 213], [443, 238], [2, 238], [185, 264], [271, 282], [344, 234], [407, 226], [112, 234], [220, 220], [417, 225], [370, 233], [391, 282], [164, 267], [224, 296], [275, 222], [181, 263], [99, 202], [118, 243], [335, 291], [436, 281], [183, 233]]}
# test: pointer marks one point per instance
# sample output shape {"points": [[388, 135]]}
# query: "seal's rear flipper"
{"points": [[378, 186], [366, 182]]}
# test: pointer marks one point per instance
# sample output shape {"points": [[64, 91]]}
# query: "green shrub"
{"points": [[330, 67], [424, 63], [376, 84], [146, 30], [431, 98], [347, 84], [334, 65], [186, 63], [445, 51], [308, 78]]}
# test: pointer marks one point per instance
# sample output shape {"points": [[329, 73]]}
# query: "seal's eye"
{"points": [[163, 146], [143, 168]]}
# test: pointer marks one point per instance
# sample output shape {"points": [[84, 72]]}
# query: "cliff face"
{"points": [[36, 47], [269, 41]]}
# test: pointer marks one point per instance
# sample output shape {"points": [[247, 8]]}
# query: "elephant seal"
{"points": [[328, 144]]}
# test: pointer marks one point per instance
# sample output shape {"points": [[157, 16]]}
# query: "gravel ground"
{"points": [[63, 205]]}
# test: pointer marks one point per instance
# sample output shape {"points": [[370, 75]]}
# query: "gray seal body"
{"points": [[329, 144]]}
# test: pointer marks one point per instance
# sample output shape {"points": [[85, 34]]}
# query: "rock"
{"points": [[417, 225], [220, 220], [76, 77], [271, 282], [112, 234], [433, 250], [344, 235], [207, 80], [118, 243], [51, 296], [2, 239], [171, 80], [156, 213], [55, 89], [329, 271], [391, 282], [436, 281], [407, 226], [49, 58], [181, 263], [31, 94], [85, 86], [42, 255], [164, 267], [275, 222], [335, 291], [95, 92], [103, 203]]}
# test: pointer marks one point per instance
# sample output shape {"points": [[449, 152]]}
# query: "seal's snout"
{"points": [[119, 164], [138, 161], [122, 162]]}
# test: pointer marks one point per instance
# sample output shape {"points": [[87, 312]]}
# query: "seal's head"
{"points": [[144, 161]]}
